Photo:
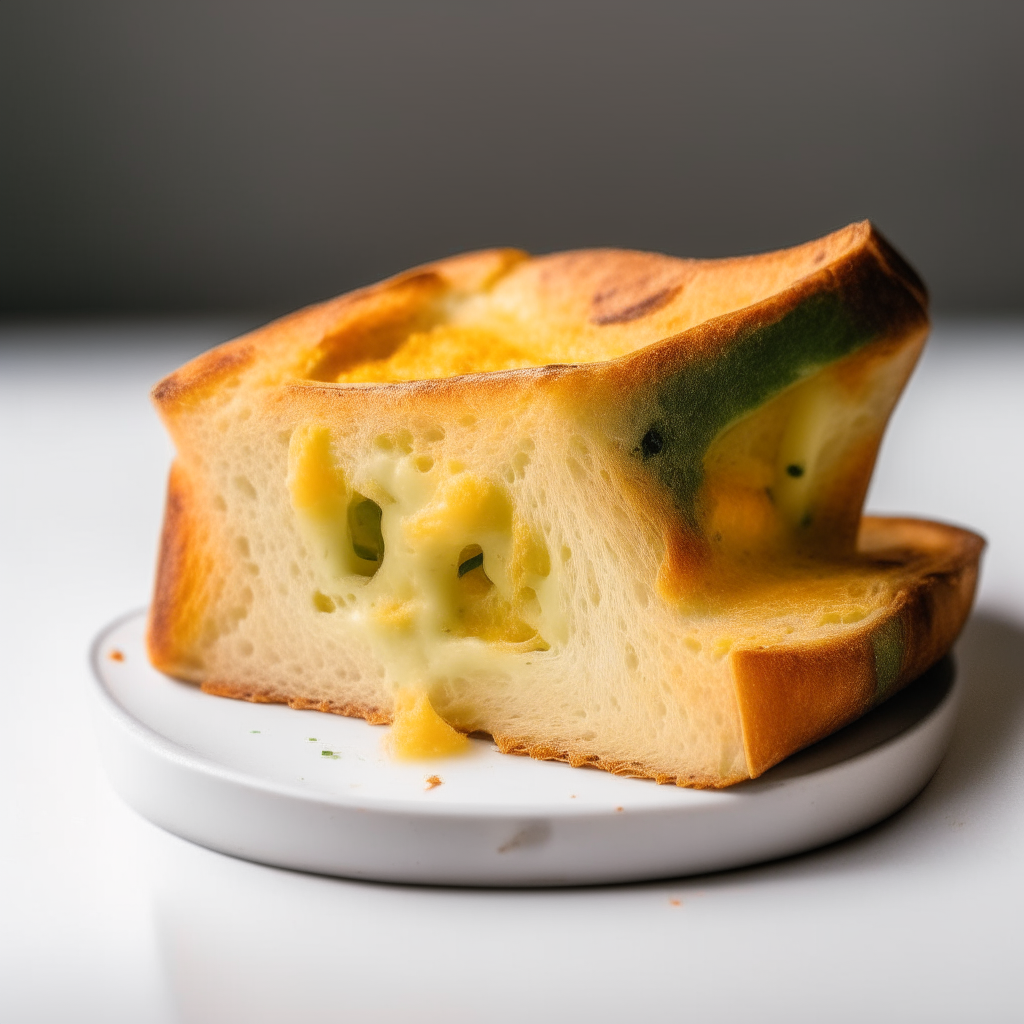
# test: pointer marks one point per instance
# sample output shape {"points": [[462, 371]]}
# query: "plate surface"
{"points": [[316, 792]]}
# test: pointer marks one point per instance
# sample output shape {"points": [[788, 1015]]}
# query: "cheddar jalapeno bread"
{"points": [[602, 505]]}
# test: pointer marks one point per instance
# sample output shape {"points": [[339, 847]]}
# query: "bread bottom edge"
{"points": [[506, 744]]}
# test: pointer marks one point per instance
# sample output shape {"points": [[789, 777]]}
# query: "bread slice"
{"points": [[602, 505]]}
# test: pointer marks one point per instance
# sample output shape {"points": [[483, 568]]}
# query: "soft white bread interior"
{"points": [[604, 506]]}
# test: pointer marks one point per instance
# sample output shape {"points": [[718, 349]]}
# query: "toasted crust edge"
{"points": [[506, 743], [790, 697], [307, 329], [182, 573], [869, 272]]}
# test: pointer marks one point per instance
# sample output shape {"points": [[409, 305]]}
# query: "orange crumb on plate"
{"points": [[116, 655], [675, 903], [433, 781]]}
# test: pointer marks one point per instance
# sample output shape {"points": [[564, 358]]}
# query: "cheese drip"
{"points": [[440, 574]]}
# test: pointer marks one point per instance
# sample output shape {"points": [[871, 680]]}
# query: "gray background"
{"points": [[229, 156]]}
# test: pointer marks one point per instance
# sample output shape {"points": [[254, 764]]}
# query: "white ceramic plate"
{"points": [[315, 792]]}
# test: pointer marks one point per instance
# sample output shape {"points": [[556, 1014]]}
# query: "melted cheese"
{"points": [[419, 731], [779, 478], [446, 350], [429, 622]]}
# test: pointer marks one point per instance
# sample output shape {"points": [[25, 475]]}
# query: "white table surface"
{"points": [[105, 918]]}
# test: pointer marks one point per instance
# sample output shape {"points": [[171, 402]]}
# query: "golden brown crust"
{"points": [[935, 608], [790, 697], [183, 569], [629, 301], [374, 327], [859, 278], [312, 342], [204, 374]]}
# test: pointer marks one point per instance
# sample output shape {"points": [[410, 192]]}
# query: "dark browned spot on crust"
{"points": [[819, 257], [899, 266], [170, 388], [608, 311], [377, 325], [210, 368]]}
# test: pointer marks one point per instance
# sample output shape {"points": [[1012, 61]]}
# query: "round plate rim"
{"points": [[923, 755], [172, 751]]}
